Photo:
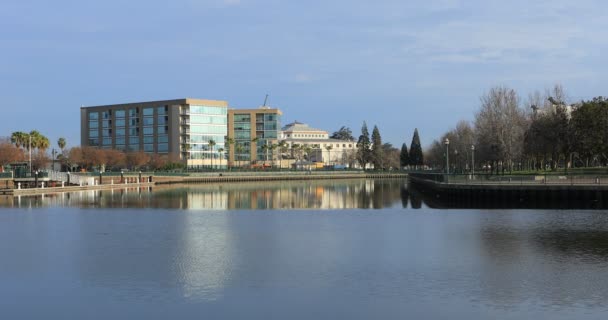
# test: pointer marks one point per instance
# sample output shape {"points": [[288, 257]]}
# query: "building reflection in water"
{"points": [[321, 194]]}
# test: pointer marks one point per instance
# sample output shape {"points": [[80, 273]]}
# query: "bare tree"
{"points": [[500, 125]]}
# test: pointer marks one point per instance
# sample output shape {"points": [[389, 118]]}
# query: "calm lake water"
{"points": [[356, 249]]}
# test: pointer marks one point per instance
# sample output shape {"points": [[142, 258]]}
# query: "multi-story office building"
{"points": [[251, 129], [180, 129]]}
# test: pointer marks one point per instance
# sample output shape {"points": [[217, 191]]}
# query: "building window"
{"points": [[148, 139], [163, 147], [133, 140], [93, 116], [93, 124], [148, 111], [148, 148], [162, 129], [148, 130], [134, 112], [120, 132], [119, 114]]}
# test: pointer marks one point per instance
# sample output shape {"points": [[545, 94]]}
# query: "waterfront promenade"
{"points": [[111, 181]]}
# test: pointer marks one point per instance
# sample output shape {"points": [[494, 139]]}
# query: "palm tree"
{"points": [[20, 139], [239, 150], [329, 147], [211, 145], [221, 151], [230, 142], [254, 143], [61, 143], [283, 147], [272, 148], [294, 151], [39, 141], [265, 149]]}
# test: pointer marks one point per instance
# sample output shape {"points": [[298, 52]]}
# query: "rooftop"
{"points": [[299, 126], [191, 101]]}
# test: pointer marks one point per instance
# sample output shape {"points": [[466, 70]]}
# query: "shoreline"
{"points": [[216, 178]]}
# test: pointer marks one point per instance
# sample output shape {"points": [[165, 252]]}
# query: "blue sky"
{"points": [[397, 64]]}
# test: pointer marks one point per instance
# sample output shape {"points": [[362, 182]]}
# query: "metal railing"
{"points": [[27, 174], [6, 175], [488, 179], [71, 178]]}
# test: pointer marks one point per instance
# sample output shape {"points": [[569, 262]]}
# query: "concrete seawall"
{"points": [[532, 195], [210, 178]]}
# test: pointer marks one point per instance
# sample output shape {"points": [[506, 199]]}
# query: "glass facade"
{"points": [[149, 127], [200, 125], [242, 137], [267, 126]]}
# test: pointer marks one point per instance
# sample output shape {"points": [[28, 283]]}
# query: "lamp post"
{"points": [[473, 159], [53, 153], [447, 155]]}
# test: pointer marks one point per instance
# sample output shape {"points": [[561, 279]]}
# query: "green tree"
{"points": [[239, 150], [364, 151], [404, 156], [283, 148], [588, 126], [39, 141], [20, 139], [344, 133], [229, 143], [416, 156], [377, 151], [221, 151], [211, 144], [61, 143], [273, 147]]}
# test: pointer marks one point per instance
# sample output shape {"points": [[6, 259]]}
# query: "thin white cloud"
{"points": [[302, 78]]}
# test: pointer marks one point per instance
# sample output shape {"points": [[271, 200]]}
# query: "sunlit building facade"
{"points": [[251, 130], [180, 129]]}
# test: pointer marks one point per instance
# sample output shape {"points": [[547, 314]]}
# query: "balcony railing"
{"points": [[6, 175]]}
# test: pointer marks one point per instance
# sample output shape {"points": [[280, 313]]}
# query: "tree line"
{"points": [[371, 152], [543, 132], [18, 147]]}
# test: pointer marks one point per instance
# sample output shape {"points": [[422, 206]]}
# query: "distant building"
{"points": [[180, 129], [251, 129], [340, 151]]}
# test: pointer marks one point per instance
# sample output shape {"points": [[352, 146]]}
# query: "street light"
{"points": [[447, 155], [53, 153], [473, 159]]}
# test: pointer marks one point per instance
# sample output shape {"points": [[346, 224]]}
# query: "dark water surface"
{"points": [[155, 254]]}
